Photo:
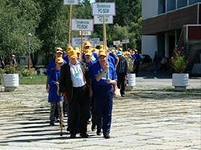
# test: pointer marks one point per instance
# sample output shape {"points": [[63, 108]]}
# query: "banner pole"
{"points": [[104, 32], [81, 35], [70, 24]]}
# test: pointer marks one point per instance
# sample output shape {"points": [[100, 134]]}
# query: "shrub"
{"points": [[26, 72], [178, 61], [11, 69]]}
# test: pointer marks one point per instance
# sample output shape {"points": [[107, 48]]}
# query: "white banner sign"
{"points": [[76, 41], [116, 43], [95, 41], [125, 41], [103, 9], [85, 32], [70, 2], [82, 24], [99, 19]]}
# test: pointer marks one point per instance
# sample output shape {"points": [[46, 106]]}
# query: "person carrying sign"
{"points": [[104, 77]]}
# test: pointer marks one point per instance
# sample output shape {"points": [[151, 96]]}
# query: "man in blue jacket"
{"points": [[103, 76]]}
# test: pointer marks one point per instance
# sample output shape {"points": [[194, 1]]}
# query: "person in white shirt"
{"points": [[73, 86]]}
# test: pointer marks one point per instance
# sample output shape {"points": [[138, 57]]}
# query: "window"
{"points": [[171, 5], [161, 6], [192, 2], [181, 3]]}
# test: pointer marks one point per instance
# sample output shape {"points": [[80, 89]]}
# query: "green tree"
{"points": [[48, 22], [135, 29], [53, 29], [17, 19], [49, 29]]}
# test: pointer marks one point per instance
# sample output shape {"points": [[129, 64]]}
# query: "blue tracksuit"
{"points": [[53, 77], [103, 96]]}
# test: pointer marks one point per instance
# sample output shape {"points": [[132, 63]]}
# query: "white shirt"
{"points": [[77, 75]]}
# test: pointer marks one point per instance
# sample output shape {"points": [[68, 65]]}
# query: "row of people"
{"points": [[87, 82], [94, 77]]}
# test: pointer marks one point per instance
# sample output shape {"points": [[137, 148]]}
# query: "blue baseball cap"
{"points": [[119, 53]]}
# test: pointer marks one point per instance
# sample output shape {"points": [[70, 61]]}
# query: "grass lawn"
{"points": [[34, 79]]}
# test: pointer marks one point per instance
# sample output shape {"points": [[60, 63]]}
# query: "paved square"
{"points": [[150, 117]]}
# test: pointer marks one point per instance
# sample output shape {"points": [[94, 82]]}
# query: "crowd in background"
{"points": [[12, 61]]}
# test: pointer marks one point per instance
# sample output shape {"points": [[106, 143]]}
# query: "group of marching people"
{"points": [[86, 82]]}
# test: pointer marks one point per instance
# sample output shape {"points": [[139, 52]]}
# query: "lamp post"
{"points": [[29, 50]]}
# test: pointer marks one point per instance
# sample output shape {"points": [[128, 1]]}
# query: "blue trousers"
{"points": [[103, 101]]}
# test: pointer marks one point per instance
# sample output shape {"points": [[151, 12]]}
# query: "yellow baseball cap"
{"points": [[69, 48], [59, 60], [88, 52], [77, 49], [102, 52], [103, 47], [87, 43], [72, 54]]}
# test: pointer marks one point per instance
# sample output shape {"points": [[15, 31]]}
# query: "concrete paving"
{"points": [[150, 117]]}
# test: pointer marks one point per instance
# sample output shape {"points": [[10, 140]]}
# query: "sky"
{"points": [[92, 1]]}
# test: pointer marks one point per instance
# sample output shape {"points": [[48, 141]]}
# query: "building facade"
{"points": [[168, 23]]}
